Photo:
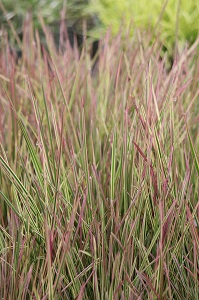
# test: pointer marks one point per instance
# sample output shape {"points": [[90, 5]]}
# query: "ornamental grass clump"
{"points": [[98, 171]]}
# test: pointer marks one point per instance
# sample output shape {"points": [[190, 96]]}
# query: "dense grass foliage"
{"points": [[98, 171]]}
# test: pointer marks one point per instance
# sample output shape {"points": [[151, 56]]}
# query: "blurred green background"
{"points": [[51, 11], [169, 19]]}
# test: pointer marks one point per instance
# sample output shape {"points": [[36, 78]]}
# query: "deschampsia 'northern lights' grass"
{"points": [[98, 171]]}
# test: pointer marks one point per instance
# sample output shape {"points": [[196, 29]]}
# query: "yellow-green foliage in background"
{"points": [[170, 19]]}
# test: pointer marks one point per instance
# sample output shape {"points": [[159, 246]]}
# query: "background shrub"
{"points": [[174, 18]]}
